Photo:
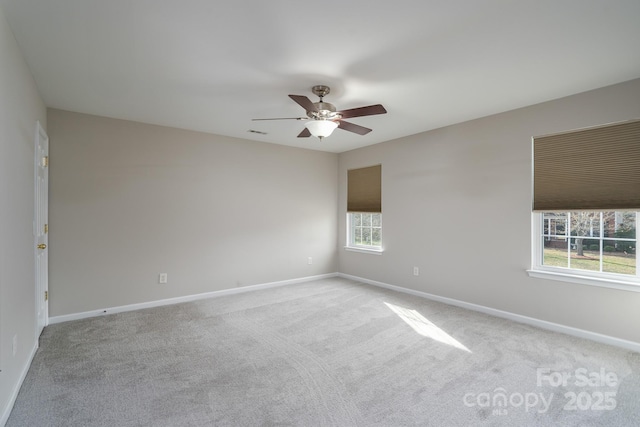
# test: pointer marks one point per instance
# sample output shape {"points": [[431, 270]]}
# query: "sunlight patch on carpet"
{"points": [[424, 327]]}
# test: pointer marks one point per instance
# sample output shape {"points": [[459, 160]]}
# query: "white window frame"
{"points": [[585, 277], [351, 246]]}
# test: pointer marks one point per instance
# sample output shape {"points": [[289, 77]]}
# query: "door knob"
{"points": [[42, 246]]}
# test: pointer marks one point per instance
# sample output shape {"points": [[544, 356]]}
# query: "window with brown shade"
{"points": [[586, 202], [364, 209]]}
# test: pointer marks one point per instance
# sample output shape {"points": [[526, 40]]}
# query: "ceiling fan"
{"points": [[324, 118]]}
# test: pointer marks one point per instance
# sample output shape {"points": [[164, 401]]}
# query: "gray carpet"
{"points": [[325, 353]]}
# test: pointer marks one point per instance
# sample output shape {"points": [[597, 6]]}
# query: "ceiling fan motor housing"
{"points": [[325, 111]]}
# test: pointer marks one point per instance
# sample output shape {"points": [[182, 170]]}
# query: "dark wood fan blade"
{"points": [[283, 118], [370, 110], [304, 102], [360, 130], [304, 134]]}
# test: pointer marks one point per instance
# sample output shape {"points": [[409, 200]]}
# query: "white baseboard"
{"points": [[556, 327], [4, 417], [186, 298]]}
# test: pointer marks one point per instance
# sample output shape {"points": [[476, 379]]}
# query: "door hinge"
{"points": [[45, 161], [46, 295], [46, 228]]}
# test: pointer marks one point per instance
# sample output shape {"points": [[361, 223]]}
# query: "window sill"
{"points": [[364, 250], [603, 282]]}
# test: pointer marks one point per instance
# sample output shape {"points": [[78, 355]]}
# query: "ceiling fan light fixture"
{"points": [[321, 128]]}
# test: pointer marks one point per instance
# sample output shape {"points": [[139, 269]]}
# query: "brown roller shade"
{"points": [[364, 189], [590, 169]]}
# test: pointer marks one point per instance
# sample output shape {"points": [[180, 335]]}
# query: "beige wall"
{"points": [[456, 204], [20, 109], [130, 200]]}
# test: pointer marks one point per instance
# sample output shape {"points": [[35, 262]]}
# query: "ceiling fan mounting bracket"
{"points": [[321, 91]]}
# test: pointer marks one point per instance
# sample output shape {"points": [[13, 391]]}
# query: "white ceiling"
{"points": [[212, 65]]}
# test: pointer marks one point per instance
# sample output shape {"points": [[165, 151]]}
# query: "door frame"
{"points": [[41, 228]]}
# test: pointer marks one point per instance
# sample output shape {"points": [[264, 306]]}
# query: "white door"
{"points": [[41, 228]]}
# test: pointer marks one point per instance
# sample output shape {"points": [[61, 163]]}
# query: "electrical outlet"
{"points": [[15, 344], [163, 278], [309, 260], [416, 271]]}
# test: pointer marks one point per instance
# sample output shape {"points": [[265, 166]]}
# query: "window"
{"points": [[586, 204], [365, 230], [364, 209], [602, 245]]}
